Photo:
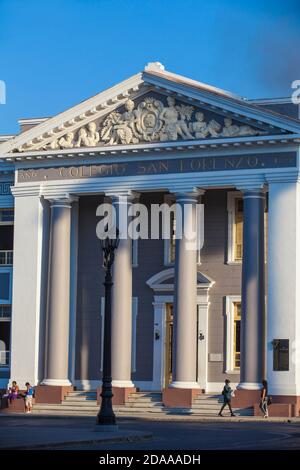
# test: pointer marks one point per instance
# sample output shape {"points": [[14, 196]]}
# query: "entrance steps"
{"points": [[84, 403]]}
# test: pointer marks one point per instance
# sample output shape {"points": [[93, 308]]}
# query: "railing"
{"points": [[6, 257], [4, 358]]}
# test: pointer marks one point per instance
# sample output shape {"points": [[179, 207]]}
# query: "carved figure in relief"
{"points": [[92, 134], [126, 130], [199, 127], [247, 130], [229, 129], [232, 130], [82, 139], [213, 128], [52, 145], [66, 141], [121, 128], [174, 124]]}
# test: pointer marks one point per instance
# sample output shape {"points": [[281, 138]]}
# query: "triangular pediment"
{"points": [[151, 107]]}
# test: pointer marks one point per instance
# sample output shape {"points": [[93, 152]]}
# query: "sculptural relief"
{"points": [[151, 121]]}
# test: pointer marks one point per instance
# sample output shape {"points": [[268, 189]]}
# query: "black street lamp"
{"points": [[106, 416]]}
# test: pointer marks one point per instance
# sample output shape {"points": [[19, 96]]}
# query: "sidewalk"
{"points": [[29, 432], [170, 416]]}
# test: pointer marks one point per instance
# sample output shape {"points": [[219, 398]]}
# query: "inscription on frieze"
{"points": [[160, 167]]}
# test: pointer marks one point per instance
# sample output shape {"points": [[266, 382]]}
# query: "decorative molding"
{"points": [[5, 188], [156, 282]]}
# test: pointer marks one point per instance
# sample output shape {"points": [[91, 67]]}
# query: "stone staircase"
{"points": [[210, 405], [84, 403]]}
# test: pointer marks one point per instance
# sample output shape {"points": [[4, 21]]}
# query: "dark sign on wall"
{"points": [[160, 167], [280, 354]]}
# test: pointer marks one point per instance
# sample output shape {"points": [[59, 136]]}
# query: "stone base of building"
{"points": [[51, 394], [245, 398], [120, 394], [282, 406], [179, 397], [15, 406]]}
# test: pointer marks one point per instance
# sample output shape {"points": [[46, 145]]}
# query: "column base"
{"points": [[249, 386], [57, 382], [120, 394], [52, 394], [174, 397], [284, 406]]}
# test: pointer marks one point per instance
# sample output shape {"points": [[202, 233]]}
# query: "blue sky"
{"points": [[56, 53]]}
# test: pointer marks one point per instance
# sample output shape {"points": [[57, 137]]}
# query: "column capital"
{"points": [[61, 201], [189, 195], [257, 193], [254, 188], [123, 197]]}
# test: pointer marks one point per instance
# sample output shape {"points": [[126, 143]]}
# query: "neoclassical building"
{"points": [[182, 320]]}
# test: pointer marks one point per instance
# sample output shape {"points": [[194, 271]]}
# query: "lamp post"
{"points": [[106, 418]]}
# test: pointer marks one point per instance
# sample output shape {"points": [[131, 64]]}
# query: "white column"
{"points": [[58, 314], [283, 317], [185, 305], [121, 339], [25, 326]]}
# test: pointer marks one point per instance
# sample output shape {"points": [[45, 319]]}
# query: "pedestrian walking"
{"points": [[227, 395], [264, 399]]}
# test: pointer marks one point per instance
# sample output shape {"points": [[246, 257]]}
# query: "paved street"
{"points": [[167, 435]]}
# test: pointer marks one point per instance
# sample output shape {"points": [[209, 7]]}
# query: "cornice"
{"points": [[252, 179], [154, 148]]}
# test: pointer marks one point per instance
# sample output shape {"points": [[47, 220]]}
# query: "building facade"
{"points": [[182, 320]]}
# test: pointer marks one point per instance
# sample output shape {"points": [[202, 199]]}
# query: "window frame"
{"points": [[6, 320], [231, 300], [232, 196], [9, 270]]}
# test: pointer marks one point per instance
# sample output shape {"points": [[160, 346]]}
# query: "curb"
{"points": [[168, 417], [73, 442]]}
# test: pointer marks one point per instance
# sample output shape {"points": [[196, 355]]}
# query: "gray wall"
{"points": [[150, 261]]}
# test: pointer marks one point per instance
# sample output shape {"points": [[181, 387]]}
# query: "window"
{"points": [[6, 216], [238, 229], [235, 207], [5, 319], [6, 237], [233, 334], [237, 335], [5, 285], [235, 227]]}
